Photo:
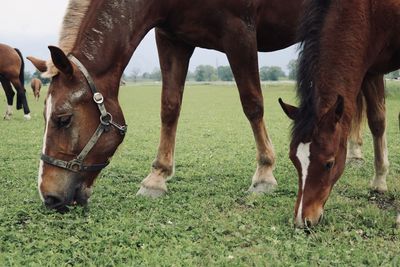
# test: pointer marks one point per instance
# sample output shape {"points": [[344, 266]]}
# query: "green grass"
{"points": [[207, 218]]}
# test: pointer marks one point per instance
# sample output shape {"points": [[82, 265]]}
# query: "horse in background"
{"points": [[12, 73], [36, 85], [347, 47]]}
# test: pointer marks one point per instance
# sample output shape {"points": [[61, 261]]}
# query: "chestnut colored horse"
{"points": [[347, 45], [100, 43], [36, 85], [12, 73], [96, 43]]}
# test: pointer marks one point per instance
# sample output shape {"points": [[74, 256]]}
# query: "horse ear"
{"points": [[61, 61], [334, 114], [38, 63], [291, 111]]}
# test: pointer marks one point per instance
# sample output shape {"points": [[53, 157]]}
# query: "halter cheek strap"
{"points": [[106, 121]]}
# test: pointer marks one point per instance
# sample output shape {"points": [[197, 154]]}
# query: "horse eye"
{"points": [[64, 121], [329, 165]]}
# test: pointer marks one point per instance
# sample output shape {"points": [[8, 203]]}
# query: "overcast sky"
{"points": [[33, 25]]}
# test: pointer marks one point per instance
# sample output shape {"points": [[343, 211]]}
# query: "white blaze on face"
{"points": [[303, 155], [49, 105]]}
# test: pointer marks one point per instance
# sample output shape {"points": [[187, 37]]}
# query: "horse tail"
{"points": [[358, 121], [22, 69]]}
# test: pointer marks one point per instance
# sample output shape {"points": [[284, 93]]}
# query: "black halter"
{"points": [[106, 121]]}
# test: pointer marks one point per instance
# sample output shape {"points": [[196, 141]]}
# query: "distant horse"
{"points": [[36, 85], [96, 43], [12, 72], [347, 45]]}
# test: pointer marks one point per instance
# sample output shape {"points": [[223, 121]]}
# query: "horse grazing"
{"points": [[36, 85], [12, 73], [347, 47], [96, 43]]}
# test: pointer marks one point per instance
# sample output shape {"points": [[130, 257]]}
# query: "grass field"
{"points": [[207, 218]]}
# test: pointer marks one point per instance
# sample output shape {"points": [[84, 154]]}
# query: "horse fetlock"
{"points": [[379, 184]]}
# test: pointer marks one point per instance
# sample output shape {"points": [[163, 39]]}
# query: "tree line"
{"points": [[208, 73], [202, 73]]}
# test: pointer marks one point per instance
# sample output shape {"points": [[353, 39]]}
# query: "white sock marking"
{"points": [[49, 105], [303, 154], [9, 109]]}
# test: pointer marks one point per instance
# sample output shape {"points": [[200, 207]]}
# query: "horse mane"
{"points": [[309, 33], [73, 17]]}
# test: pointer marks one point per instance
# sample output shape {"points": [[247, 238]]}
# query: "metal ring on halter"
{"points": [[107, 119], [98, 98]]}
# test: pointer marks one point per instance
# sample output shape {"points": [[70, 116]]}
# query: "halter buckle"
{"points": [[98, 98], [74, 165]]}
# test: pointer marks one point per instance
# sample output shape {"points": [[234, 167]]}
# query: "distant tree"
{"points": [[134, 74], [37, 74], [292, 66], [28, 77], [225, 73], [271, 73], [123, 80], [146, 76], [190, 76], [393, 75], [156, 75], [205, 73]]}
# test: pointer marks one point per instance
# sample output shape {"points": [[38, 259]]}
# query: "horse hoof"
{"points": [[355, 161], [262, 188], [27, 117], [7, 117], [379, 186], [151, 192]]}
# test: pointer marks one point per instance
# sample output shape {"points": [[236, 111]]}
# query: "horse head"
{"points": [[319, 157], [81, 133]]}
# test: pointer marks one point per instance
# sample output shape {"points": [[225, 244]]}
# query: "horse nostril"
{"points": [[53, 202]]}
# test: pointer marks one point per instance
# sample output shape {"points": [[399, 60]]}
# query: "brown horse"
{"points": [[12, 73], [36, 85], [100, 37], [104, 38], [347, 45]]}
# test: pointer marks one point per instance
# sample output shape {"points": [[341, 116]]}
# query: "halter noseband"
{"points": [[106, 121]]}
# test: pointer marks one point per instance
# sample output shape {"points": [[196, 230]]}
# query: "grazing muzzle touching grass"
{"points": [[319, 157]]}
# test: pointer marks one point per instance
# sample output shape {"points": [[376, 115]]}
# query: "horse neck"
{"points": [[110, 33], [345, 56]]}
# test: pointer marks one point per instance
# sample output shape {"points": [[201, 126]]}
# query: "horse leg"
{"points": [[10, 97], [355, 142], [21, 98], [374, 92], [174, 62], [243, 59]]}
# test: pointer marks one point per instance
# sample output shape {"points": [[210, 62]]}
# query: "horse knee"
{"points": [[377, 125], [254, 110]]}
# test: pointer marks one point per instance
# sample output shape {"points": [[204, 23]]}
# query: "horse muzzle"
{"points": [[62, 202]]}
